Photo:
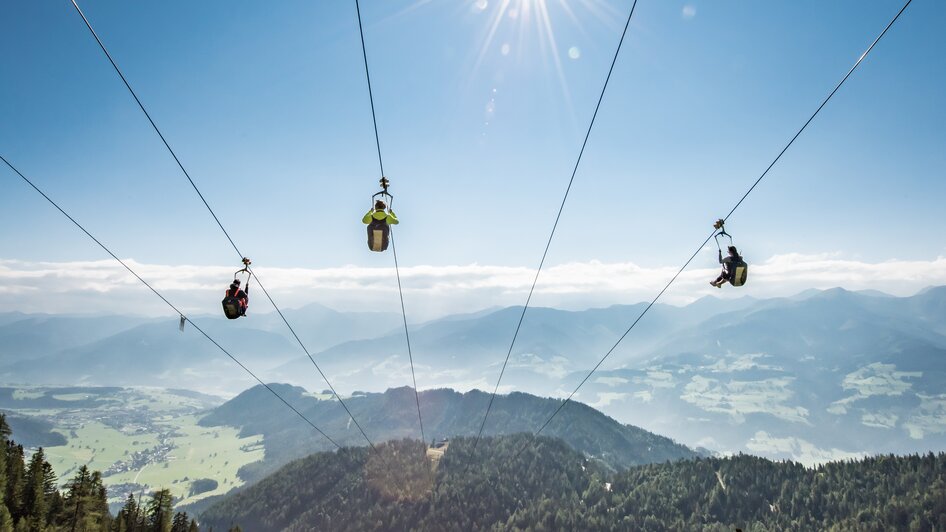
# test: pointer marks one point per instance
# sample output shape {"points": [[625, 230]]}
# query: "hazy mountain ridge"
{"points": [[27, 336], [550, 344], [831, 375], [114, 350], [820, 375]]}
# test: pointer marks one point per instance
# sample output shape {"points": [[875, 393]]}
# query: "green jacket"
{"points": [[388, 217]]}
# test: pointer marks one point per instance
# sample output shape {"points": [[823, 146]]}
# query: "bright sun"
{"points": [[527, 23]]}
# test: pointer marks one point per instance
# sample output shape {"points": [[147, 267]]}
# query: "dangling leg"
{"points": [[718, 283]]}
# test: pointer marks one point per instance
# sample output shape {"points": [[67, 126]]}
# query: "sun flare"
{"points": [[524, 29]]}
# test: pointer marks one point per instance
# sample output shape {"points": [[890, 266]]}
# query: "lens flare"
{"points": [[526, 26]]}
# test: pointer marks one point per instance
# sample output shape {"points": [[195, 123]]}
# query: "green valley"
{"points": [[141, 439]]}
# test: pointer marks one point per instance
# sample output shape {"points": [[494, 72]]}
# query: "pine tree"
{"points": [[99, 499], [16, 479], [5, 430], [76, 496], [85, 507], [6, 521], [193, 526], [3, 470], [180, 523], [160, 513], [35, 507], [129, 518]]}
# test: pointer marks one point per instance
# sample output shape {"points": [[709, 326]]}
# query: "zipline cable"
{"points": [[554, 227], [181, 314], [705, 242], [374, 118], [219, 223], [397, 270], [407, 335], [155, 126]]}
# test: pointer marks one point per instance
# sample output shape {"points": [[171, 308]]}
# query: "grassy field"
{"points": [[96, 446], [200, 453], [141, 440]]}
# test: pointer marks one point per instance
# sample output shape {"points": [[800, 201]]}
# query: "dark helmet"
{"points": [[236, 282], [379, 205], [732, 250]]}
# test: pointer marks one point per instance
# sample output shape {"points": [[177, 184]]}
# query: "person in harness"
{"points": [[379, 223], [241, 296], [729, 267], [735, 269], [236, 300]]}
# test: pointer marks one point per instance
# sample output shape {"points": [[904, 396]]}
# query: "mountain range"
{"points": [[821, 375], [828, 375]]}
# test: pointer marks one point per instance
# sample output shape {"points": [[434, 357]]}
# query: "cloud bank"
{"points": [[432, 291]]}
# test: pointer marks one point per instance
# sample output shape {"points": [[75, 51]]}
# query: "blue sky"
{"points": [[266, 105]]}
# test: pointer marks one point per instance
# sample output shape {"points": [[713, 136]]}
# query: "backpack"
{"points": [[232, 306], [378, 234], [740, 271]]}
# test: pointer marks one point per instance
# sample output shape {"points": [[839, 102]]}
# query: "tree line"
{"points": [[540, 484]]}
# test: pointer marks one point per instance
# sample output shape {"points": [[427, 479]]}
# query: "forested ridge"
{"points": [[447, 413], [30, 499], [549, 486]]}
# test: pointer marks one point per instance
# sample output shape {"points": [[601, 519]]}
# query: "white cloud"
{"points": [[606, 398], [733, 363], [879, 379], [657, 379], [741, 398], [875, 379], [930, 417], [689, 11], [556, 367], [797, 449], [104, 286], [611, 381], [880, 420], [395, 370], [707, 442], [644, 396]]}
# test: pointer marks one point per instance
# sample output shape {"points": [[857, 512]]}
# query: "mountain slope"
{"points": [[320, 327], [36, 336], [32, 432], [523, 483], [360, 489]]}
